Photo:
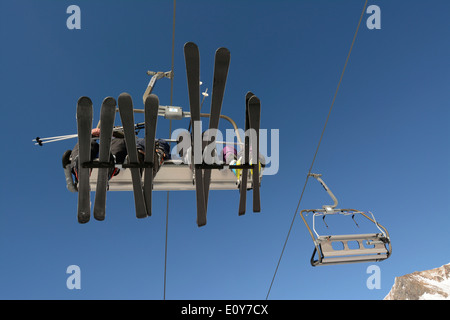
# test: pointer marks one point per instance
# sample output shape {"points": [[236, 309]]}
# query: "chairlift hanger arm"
{"points": [[155, 76], [318, 177]]}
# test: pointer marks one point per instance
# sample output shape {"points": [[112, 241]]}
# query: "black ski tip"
{"points": [[201, 223], [125, 101], [124, 96], [99, 210], [109, 101], [84, 101], [152, 98], [189, 45], [248, 95], [148, 207], [223, 51], [84, 217], [243, 193], [254, 100], [99, 216]]}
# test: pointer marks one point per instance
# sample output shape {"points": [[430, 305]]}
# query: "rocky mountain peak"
{"points": [[431, 284]]}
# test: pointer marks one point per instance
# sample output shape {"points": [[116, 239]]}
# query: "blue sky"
{"points": [[385, 148]]}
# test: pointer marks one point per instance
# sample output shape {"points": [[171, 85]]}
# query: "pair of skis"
{"points": [[202, 172], [252, 122], [142, 194], [221, 65]]}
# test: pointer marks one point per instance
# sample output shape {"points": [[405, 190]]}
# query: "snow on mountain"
{"points": [[431, 284]]}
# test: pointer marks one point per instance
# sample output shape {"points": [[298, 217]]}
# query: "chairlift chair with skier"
{"points": [[174, 174]]}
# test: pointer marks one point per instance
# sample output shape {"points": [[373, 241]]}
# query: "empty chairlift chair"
{"points": [[349, 248]]}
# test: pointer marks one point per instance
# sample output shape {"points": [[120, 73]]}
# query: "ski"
{"points": [[107, 118], [127, 115], [254, 115], [151, 116], [192, 59], [244, 172], [84, 127], [221, 65]]}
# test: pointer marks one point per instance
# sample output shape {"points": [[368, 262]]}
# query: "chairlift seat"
{"points": [[368, 247], [173, 175]]}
